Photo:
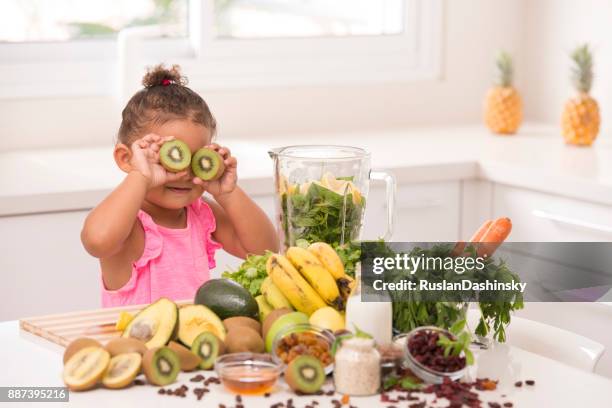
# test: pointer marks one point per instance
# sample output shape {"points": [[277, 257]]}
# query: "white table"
{"points": [[30, 361]]}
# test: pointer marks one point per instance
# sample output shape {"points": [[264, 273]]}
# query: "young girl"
{"points": [[155, 234]]}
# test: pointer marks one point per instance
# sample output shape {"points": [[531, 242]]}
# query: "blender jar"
{"points": [[322, 192]]}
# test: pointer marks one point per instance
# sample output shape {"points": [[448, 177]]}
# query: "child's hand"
{"points": [[227, 183], [145, 159]]}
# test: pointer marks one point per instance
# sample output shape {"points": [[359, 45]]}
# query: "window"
{"points": [[72, 47], [62, 20], [306, 18]]}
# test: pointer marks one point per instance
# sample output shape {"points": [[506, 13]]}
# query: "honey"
{"points": [[248, 380]]}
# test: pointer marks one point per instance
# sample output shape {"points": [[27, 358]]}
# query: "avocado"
{"points": [[227, 299], [155, 325], [195, 319]]}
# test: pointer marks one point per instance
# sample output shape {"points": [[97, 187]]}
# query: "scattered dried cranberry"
{"points": [[457, 393], [530, 382]]}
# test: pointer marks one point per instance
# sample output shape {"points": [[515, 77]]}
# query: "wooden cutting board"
{"points": [[63, 328]]}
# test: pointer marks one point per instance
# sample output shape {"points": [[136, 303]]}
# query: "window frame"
{"points": [[105, 67]]}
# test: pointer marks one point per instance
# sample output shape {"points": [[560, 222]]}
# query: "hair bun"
{"points": [[160, 75]]}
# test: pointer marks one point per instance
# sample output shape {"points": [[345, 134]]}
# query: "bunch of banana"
{"points": [[332, 262], [307, 279], [295, 288]]}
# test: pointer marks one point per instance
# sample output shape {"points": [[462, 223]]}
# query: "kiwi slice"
{"points": [[79, 344], [122, 370], [207, 164], [208, 347], [161, 365], [305, 374], [175, 156], [83, 370]]}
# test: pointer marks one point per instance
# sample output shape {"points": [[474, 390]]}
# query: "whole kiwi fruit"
{"points": [[242, 339], [236, 321]]}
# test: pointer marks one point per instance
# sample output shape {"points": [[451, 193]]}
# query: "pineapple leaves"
{"points": [[582, 69], [505, 69]]}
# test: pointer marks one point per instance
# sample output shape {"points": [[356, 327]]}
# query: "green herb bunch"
{"points": [[413, 309], [251, 273]]}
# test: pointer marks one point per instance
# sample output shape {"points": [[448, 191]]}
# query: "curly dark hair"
{"points": [[165, 97]]}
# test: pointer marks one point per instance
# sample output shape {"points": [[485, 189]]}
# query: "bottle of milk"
{"points": [[375, 318]]}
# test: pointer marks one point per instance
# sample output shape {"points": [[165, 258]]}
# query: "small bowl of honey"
{"points": [[248, 373]]}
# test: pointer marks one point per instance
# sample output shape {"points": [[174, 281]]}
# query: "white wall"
{"points": [[474, 30], [552, 29]]}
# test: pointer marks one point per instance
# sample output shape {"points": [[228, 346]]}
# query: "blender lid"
{"points": [[323, 152]]}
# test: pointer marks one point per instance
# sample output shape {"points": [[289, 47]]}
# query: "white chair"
{"points": [[548, 341]]}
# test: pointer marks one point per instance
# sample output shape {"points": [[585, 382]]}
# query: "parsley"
{"points": [[411, 311], [460, 344]]}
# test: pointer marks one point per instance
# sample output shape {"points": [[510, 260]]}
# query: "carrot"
{"points": [[458, 249], [481, 231], [497, 232]]}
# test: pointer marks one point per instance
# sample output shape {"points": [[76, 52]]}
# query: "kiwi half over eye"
{"points": [[175, 156], [207, 164]]}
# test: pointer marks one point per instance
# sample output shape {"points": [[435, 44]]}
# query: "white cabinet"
{"points": [[545, 217], [47, 270], [425, 212], [44, 266]]}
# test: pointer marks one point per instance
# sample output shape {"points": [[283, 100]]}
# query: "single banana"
{"points": [[329, 258], [299, 293], [332, 262], [264, 307], [273, 295], [317, 275]]}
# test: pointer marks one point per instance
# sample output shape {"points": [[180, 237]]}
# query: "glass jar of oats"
{"points": [[357, 367]]}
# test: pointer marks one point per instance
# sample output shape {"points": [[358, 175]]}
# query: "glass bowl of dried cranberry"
{"points": [[426, 358]]}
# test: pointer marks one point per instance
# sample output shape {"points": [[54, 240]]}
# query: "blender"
{"points": [[321, 193]]}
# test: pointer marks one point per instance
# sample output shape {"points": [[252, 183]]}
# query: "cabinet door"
{"points": [[44, 266], [546, 217], [425, 212]]}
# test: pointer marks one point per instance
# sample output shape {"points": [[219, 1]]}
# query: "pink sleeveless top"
{"points": [[174, 263]]}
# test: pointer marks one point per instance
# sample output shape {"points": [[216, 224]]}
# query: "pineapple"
{"points": [[580, 119], [503, 105]]}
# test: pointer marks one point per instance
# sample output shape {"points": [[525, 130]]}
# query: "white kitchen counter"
{"points": [[68, 179], [31, 361]]}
